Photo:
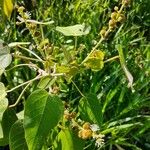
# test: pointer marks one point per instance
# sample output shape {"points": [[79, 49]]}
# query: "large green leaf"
{"points": [[76, 30], [90, 109], [42, 113], [3, 105], [9, 118], [68, 140], [17, 137], [5, 56]]}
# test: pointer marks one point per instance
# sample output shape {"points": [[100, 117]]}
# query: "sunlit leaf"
{"points": [[62, 69], [95, 61], [76, 30], [5, 56], [8, 7], [68, 140], [3, 105], [42, 113]]}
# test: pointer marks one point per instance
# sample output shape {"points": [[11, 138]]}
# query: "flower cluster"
{"points": [[117, 16], [89, 131], [24, 17]]}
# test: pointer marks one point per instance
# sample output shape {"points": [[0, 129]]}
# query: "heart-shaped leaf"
{"points": [[42, 113]]}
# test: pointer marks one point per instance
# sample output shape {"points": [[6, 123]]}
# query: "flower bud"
{"points": [[86, 125], [116, 8], [112, 24], [114, 15]]}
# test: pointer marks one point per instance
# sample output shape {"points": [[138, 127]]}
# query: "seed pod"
{"points": [[112, 24], [102, 32], [85, 134], [114, 15], [116, 8], [121, 18], [86, 125]]}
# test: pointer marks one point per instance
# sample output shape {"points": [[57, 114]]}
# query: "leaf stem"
{"points": [[29, 65], [77, 88], [19, 98], [26, 58], [28, 50], [29, 81], [111, 59]]}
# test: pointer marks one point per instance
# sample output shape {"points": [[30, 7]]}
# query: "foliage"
{"points": [[75, 75]]}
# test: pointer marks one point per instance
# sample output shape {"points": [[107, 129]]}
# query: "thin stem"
{"points": [[76, 41], [26, 58], [29, 81], [19, 98], [30, 52], [111, 59], [77, 88], [34, 79], [29, 65], [120, 10], [101, 39]]}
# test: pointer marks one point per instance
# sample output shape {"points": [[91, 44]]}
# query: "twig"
{"points": [[19, 98], [77, 88], [30, 52], [29, 81]]}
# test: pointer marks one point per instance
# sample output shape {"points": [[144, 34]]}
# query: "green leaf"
{"points": [[90, 109], [68, 140], [17, 137], [62, 69], [76, 30], [121, 127], [109, 97], [44, 83], [124, 67], [20, 115], [2, 91], [3, 105], [8, 7], [42, 113], [9, 118], [95, 60], [5, 56]]}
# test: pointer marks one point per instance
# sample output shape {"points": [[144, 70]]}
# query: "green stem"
{"points": [[31, 52], [26, 58], [111, 59], [77, 88], [29, 65], [29, 81], [19, 98]]}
